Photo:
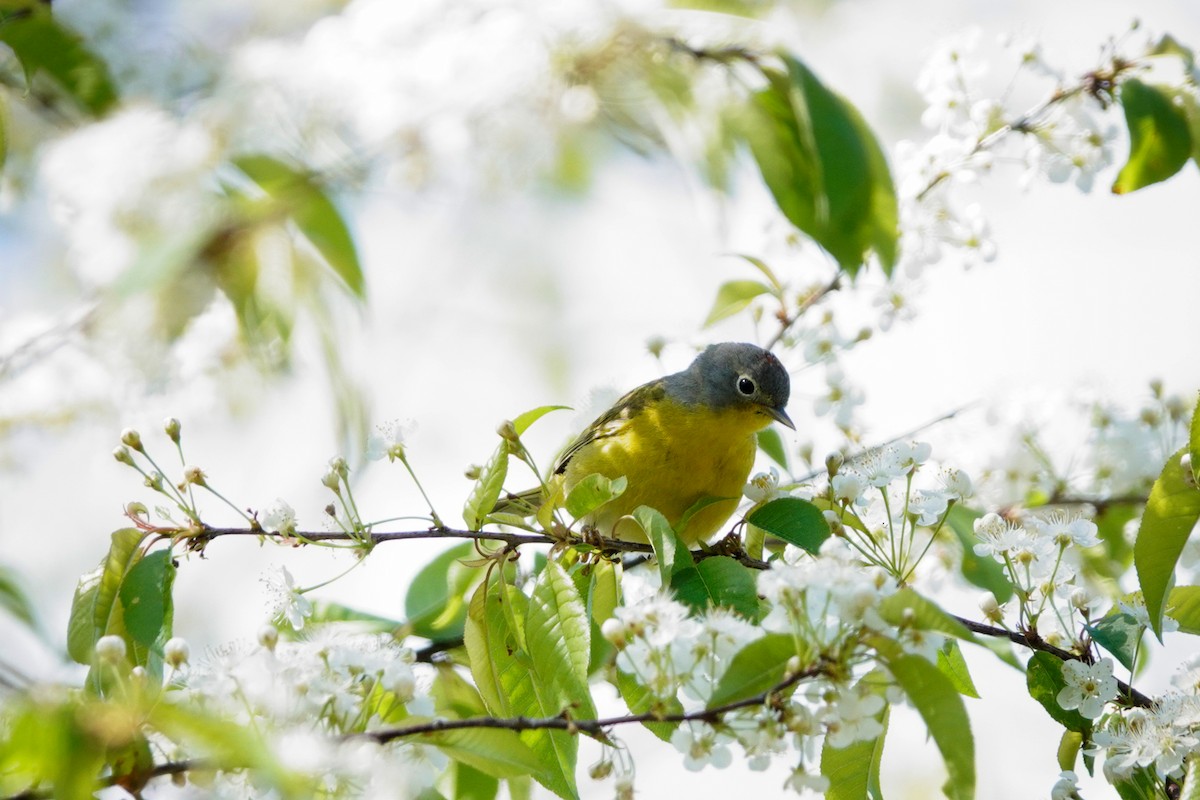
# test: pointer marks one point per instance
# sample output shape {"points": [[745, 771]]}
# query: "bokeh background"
{"points": [[492, 291]]}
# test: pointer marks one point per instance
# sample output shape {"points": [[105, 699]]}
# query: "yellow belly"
{"points": [[672, 456]]}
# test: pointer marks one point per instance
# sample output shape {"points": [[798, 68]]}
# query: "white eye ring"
{"points": [[746, 386]]}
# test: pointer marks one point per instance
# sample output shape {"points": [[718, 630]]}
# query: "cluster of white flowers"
{"points": [[1160, 737]]}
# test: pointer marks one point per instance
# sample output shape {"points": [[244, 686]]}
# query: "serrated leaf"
{"points": [[1160, 138], [487, 488], [719, 581], [952, 664], [941, 707], [823, 166], [771, 443], [853, 771], [1171, 513], [671, 553], [1044, 678], [493, 751], [315, 215], [642, 701], [147, 605], [909, 607], [982, 572], [758, 667], [436, 602], [43, 46], [732, 297], [521, 422], [592, 492], [793, 520], [1119, 634], [558, 635], [96, 601]]}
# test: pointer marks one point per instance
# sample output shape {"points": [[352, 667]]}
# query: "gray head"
{"points": [[737, 374]]}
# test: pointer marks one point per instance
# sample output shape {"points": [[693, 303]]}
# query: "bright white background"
{"points": [[483, 307]]}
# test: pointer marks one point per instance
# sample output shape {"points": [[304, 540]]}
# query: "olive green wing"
{"points": [[613, 421]]}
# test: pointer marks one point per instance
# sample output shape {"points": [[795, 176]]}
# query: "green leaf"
{"points": [[1183, 606], [592, 492], [1068, 750], [325, 611], [436, 602], [1191, 783], [757, 668], [487, 488], [315, 215], [1194, 435], [1160, 138], [3, 131], [1171, 514], [853, 771], [768, 273], [96, 606], [13, 598], [148, 609], [983, 572], [1143, 784], [642, 701], [717, 581], [522, 422], [732, 297], [796, 521], [1119, 634], [672, 554], [472, 784], [909, 607], [558, 633], [43, 46], [492, 751], [771, 443], [952, 664], [1043, 676], [823, 166], [940, 705]]}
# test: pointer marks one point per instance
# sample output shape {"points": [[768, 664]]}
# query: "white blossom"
{"points": [[1089, 687]]}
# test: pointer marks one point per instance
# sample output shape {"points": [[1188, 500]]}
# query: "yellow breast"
{"points": [[672, 456]]}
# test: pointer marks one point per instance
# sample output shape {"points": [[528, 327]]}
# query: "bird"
{"points": [[685, 443]]}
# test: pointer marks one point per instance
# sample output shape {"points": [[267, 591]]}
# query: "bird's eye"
{"points": [[746, 386]]}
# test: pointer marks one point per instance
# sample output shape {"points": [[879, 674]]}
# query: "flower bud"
{"points": [[123, 455], [131, 438], [655, 345], [268, 636], [1081, 599], [614, 631], [171, 426], [110, 649], [508, 431], [194, 475], [473, 472], [990, 607], [834, 462], [338, 464], [176, 652]]}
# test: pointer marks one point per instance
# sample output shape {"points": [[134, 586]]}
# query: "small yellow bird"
{"points": [[680, 440]]}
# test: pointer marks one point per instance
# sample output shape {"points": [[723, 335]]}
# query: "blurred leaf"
{"points": [[672, 554], [13, 598], [1171, 514], [605, 590], [793, 520], [941, 706], [952, 664], [472, 784], [1194, 439], [314, 214], [3, 131], [1068, 750], [1183, 606], [771, 443], [493, 751], [487, 488], [1160, 138], [824, 167], [43, 46], [1169, 45], [325, 611], [436, 602], [758, 667], [983, 572], [732, 297], [1143, 784], [521, 422], [1045, 680], [96, 604], [1117, 554], [718, 581], [148, 608], [765, 269], [592, 492], [909, 607], [1119, 634], [1191, 783]]}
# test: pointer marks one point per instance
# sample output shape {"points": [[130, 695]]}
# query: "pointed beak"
{"points": [[780, 416]]}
